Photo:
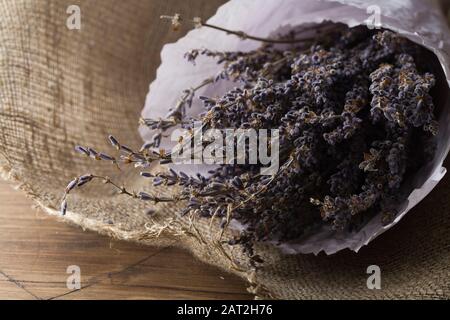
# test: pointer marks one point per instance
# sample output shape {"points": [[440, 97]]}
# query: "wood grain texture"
{"points": [[35, 251]]}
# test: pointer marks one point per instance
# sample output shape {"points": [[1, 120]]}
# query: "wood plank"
{"points": [[37, 249], [10, 290]]}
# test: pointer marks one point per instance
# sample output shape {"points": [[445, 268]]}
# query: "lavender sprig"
{"points": [[87, 178], [175, 116], [176, 21]]}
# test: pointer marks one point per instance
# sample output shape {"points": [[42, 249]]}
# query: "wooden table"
{"points": [[36, 250]]}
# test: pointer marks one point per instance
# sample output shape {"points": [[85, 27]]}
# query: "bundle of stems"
{"points": [[355, 119]]}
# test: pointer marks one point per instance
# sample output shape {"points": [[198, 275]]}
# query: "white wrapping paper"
{"points": [[419, 20]]}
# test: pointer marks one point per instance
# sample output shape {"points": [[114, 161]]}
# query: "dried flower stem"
{"points": [[174, 117], [84, 179], [198, 22]]}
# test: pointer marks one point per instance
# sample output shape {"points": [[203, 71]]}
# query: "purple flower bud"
{"points": [[106, 157], [72, 184], [145, 196], [114, 142], [82, 150], [147, 175], [63, 209]]}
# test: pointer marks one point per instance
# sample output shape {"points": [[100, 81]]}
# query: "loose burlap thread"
{"points": [[61, 87]]}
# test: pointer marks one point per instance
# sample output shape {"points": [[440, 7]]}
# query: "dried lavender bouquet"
{"points": [[355, 116]]}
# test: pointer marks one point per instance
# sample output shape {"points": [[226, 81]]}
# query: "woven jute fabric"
{"points": [[61, 87]]}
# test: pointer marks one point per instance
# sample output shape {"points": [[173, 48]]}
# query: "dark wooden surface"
{"points": [[35, 251]]}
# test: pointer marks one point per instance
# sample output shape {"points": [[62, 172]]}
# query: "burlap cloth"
{"points": [[59, 88]]}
